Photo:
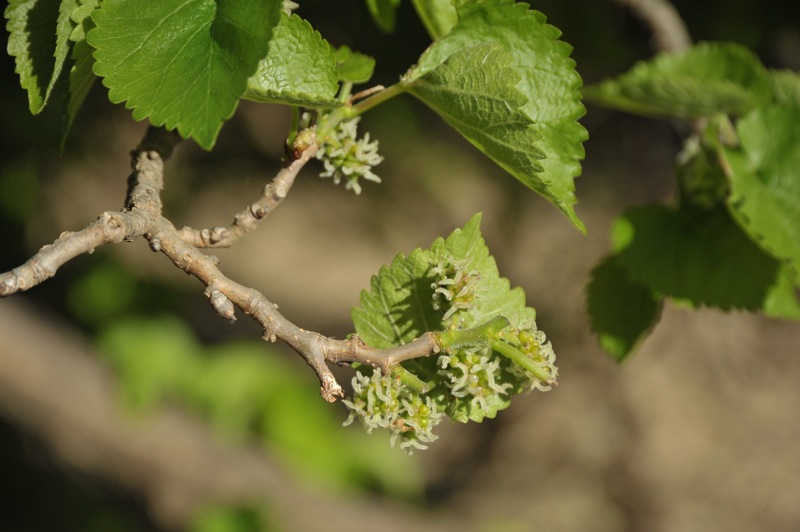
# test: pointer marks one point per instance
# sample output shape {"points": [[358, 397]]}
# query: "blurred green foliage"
{"points": [[249, 391], [231, 519]]}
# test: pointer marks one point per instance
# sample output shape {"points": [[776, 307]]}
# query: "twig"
{"points": [[247, 220], [142, 206], [669, 30]]}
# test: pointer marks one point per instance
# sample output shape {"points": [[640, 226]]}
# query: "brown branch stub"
{"points": [[247, 219], [668, 28]]}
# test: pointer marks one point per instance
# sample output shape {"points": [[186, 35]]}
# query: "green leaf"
{"points": [[181, 63], [474, 91], [438, 16], [38, 39], [709, 78], [299, 68], [785, 87], [397, 307], [622, 312], [765, 180], [493, 294], [548, 81], [698, 255], [383, 13], [400, 307], [353, 66]]}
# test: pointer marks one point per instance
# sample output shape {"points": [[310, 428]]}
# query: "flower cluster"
{"points": [[349, 158], [532, 344], [384, 401], [474, 375], [489, 350], [453, 286]]}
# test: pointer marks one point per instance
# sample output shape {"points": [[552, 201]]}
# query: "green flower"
{"points": [[349, 158], [383, 401]]}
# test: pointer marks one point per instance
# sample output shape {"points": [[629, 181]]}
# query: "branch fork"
{"points": [[141, 216]]}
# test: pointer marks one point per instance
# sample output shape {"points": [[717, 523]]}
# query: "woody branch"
{"points": [[141, 216]]}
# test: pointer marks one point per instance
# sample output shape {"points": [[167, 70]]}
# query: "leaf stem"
{"points": [[294, 126], [481, 334], [513, 354], [410, 380], [376, 99]]}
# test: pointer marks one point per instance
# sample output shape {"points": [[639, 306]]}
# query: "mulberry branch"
{"points": [[141, 217]]}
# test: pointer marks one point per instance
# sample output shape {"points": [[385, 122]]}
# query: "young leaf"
{"points": [[38, 39], [765, 180], [622, 311], [383, 13], [352, 66], [493, 294], [438, 16], [398, 308], [698, 255], [709, 78], [299, 68], [454, 288], [548, 81], [474, 90], [181, 63]]}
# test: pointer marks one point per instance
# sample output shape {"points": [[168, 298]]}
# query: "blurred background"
{"points": [[126, 404]]}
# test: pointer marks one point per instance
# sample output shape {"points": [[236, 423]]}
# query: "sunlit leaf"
{"points": [[765, 180], [299, 68], [181, 63], [547, 80], [353, 66]]}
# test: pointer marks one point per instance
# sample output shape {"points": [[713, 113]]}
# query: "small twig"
{"points": [[669, 30], [248, 219], [366, 92]]}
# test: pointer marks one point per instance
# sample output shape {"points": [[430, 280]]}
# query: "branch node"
{"points": [[215, 234], [259, 211]]}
